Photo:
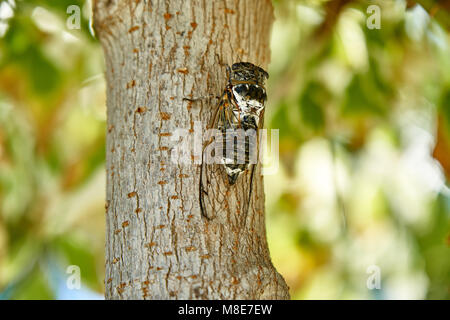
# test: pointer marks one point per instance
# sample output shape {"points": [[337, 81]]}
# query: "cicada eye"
{"points": [[256, 92], [241, 89], [253, 91]]}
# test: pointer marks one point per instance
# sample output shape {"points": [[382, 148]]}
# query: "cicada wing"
{"points": [[254, 169], [210, 172], [218, 197], [212, 197]]}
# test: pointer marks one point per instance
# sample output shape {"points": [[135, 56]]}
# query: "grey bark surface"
{"points": [[158, 244]]}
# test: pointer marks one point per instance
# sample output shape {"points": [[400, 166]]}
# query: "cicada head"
{"points": [[248, 72]]}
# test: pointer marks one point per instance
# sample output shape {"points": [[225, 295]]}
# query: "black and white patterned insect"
{"points": [[240, 109]]}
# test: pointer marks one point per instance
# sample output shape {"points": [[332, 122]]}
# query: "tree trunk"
{"points": [[158, 244]]}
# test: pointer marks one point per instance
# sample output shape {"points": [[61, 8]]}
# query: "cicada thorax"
{"points": [[238, 118]]}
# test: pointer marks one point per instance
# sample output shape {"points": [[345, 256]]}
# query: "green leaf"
{"points": [[311, 111], [280, 120], [44, 75], [23, 48], [444, 109], [34, 287], [360, 98], [78, 253]]}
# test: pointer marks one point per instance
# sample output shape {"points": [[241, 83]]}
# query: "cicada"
{"points": [[239, 109]]}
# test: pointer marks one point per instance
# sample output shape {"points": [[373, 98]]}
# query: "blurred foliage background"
{"points": [[364, 119]]}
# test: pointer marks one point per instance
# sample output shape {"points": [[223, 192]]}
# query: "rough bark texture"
{"points": [[159, 245]]}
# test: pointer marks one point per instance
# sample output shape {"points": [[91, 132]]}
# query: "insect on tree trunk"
{"points": [[158, 244]]}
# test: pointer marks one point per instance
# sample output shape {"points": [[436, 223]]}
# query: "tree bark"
{"points": [[158, 244]]}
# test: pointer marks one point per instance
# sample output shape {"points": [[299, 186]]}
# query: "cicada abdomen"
{"points": [[238, 118]]}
